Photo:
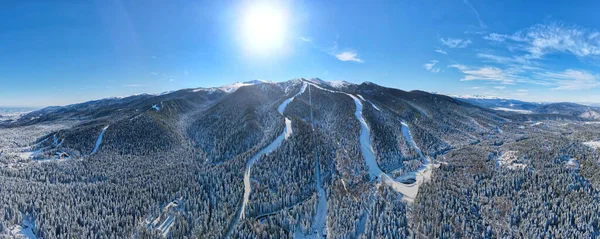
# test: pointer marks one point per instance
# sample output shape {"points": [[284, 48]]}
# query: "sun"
{"points": [[263, 27]]}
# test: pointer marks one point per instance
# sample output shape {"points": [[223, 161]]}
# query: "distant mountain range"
{"points": [[571, 109], [96, 108]]}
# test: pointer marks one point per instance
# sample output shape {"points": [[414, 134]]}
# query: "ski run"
{"points": [[408, 190], [319, 226], [424, 173], [320, 223], [269, 149], [99, 140]]}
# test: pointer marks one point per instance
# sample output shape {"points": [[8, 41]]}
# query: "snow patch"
{"points": [[24, 230], [572, 164], [537, 123], [288, 128], [590, 114], [593, 144], [155, 107], [509, 158]]}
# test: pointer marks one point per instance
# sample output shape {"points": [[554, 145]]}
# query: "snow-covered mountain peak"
{"points": [[339, 83], [230, 88], [334, 84], [233, 87], [257, 81]]}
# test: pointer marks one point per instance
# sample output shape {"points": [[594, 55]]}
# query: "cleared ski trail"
{"points": [[285, 103], [365, 141], [270, 148], [408, 190], [320, 223], [99, 140]]}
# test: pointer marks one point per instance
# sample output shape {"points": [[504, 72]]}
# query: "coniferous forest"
{"points": [[297, 159]]}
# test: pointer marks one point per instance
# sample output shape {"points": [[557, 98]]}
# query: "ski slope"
{"points": [[370, 102], [421, 175], [408, 190], [365, 141], [99, 140], [285, 103], [320, 223], [270, 148], [247, 187]]}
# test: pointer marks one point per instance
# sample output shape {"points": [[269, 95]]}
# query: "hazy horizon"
{"points": [[36, 107]]}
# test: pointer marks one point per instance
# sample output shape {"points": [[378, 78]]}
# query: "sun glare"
{"points": [[264, 28]]}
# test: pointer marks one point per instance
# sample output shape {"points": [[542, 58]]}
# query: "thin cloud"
{"points": [[305, 39], [481, 23], [486, 73], [133, 85], [455, 43], [495, 37], [543, 39], [441, 51], [348, 56], [431, 66], [572, 79], [514, 60], [500, 87]]}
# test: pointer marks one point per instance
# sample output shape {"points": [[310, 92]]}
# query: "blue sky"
{"points": [[62, 52]]}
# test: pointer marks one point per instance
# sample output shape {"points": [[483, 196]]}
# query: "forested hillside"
{"points": [[303, 158]]}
